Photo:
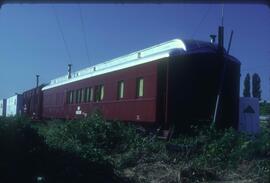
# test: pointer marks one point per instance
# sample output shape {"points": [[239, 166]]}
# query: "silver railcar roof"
{"points": [[136, 58], [163, 50]]}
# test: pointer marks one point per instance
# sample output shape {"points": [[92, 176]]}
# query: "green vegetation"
{"points": [[207, 155], [246, 90], [95, 139], [256, 86], [221, 153], [25, 157], [264, 108]]}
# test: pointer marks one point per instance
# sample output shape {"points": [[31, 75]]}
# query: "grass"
{"points": [[208, 155]]}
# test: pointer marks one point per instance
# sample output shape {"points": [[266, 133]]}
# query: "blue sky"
{"points": [[31, 42]]}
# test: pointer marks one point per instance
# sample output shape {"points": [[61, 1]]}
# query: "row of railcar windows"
{"points": [[96, 93]]}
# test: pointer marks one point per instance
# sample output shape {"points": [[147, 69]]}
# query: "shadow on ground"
{"points": [[24, 157]]}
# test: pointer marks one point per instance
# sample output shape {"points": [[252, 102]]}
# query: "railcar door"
{"points": [[161, 109]]}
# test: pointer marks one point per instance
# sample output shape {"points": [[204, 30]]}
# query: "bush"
{"points": [[207, 150], [92, 138], [223, 149], [264, 108], [24, 156], [96, 140], [260, 146], [85, 145]]}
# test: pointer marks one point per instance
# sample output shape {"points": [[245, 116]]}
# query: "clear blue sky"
{"points": [[31, 42]]}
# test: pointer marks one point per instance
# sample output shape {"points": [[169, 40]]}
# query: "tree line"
{"points": [[256, 86]]}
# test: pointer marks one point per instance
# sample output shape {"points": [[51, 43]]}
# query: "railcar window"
{"points": [[99, 93], [70, 97], [82, 95], [73, 96], [77, 96], [67, 97], [87, 94], [140, 87], [91, 94], [120, 89], [96, 93], [76, 99]]}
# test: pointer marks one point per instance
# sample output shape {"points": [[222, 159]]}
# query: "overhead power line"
{"points": [[84, 34], [201, 21], [62, 33]]}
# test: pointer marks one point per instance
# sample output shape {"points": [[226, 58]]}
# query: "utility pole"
{"points": [[221, 57], [36, 99]]}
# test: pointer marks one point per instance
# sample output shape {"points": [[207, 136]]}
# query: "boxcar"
{"points": [[14, 105], [3, 105], [32, 102], [175, 82]]}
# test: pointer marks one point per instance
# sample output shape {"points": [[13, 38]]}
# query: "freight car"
{"points": [[32, 102], [3, 106], [176, 82], [14, 105]]}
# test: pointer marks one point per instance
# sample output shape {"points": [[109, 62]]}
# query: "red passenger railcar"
{"points": [[102, 92], [175, 82]]}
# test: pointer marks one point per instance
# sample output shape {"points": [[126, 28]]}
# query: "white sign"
{"points": [[249, 115], [78, 111]]}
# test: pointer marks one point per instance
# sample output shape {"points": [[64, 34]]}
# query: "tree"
{"points": [[246, 92], [256, 86]]}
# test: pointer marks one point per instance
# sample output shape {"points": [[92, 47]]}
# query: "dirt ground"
{"points": [[160, 172]]}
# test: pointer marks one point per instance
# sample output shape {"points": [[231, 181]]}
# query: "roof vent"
{"points": [[139, 55], [69, 71], [37, 80], [213, 38]]}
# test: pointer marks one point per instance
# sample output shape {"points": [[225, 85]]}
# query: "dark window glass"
{"points": [[73, 96], [87, 94], [70, 97], [78, 96], [99, 93], [67, 97], [82, 96]]}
